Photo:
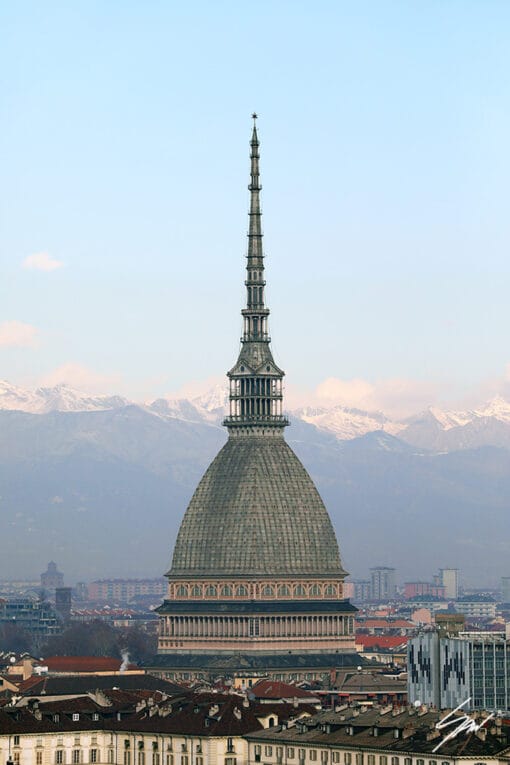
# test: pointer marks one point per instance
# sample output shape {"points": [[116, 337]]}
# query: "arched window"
{"points": [[299, 591], [330, 590], [196, 591], [315, 590], [283, 591], [226, 591], [211, 591], [242, 592], [182, 591], [268, 591]]}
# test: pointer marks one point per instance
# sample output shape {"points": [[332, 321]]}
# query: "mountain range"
{"points": [[100, 483]]}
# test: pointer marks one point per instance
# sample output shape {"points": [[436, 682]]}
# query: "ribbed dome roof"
{"points": [[257, 512]]}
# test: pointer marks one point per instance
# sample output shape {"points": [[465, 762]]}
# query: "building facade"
{"points": [[472, 668], [35, 616], [124, 590], [256, 568], [383, 735], [449, 579], [382, 583]]}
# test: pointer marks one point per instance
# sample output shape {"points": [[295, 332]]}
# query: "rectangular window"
{"points": [[371, 759], [313, 755], [169, 759], [268, 751], [110, 756], [408, 761], [59, 757], [394, 761], [76, 756], [93, 755], [359, 758], [200, 761], [141, 758], [335, 757], [420, 762], [230, 744], [38, 758], [347, 758], [127, 757], [230, 760], [290, 753], [184, 759], [155, 758], [324, 755], [16, 757], [16, 740], [383, 760], [76, 716]]}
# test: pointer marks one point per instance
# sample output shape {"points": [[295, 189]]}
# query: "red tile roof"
{"points": [[381, 641], [84, 664]]}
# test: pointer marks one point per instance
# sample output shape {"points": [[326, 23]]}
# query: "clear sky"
{"points": [[385, 130]]}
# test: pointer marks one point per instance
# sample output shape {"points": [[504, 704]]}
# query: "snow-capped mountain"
{"points": [[209, 407], [487, 425], [435, 429], [61, 398], [347, 423]]}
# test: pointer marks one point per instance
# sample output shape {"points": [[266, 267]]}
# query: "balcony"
{"points": [[273, 420]]}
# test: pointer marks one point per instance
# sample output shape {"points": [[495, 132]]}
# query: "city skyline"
{"points": [[122, 203]]}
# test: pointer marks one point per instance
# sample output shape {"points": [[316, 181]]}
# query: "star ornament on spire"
{"points": [[254, 115]]}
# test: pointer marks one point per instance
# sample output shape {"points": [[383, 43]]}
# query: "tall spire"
{"points": [[255, 381]]}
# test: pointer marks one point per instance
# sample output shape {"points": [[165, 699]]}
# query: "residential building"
{"points": [[36, 616], [136, 729], [379, 736], [412, 589], [125, 590], [382, 583], [362, 590], [481, 606], [449, 579]]}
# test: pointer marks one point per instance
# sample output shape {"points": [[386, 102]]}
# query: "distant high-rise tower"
{"points": [[382, 583], [450, 580], [63, 602], [256, 571]]}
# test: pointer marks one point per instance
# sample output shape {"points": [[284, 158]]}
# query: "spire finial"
{"points": [[256, 390]]}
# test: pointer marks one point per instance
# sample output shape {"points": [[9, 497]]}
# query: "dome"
{"points": [[256, 512]]}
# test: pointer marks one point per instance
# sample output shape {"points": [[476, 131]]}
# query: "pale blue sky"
{"points": [[385, 130]]}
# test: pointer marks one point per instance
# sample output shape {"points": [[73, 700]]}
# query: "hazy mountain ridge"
{"points": [[103, 493], [433, 429]]}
